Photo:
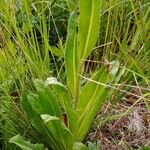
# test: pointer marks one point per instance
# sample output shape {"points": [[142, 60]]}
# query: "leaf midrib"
{"points": [[89, 31]]}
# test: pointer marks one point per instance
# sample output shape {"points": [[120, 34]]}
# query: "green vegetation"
{"points": [[61, 61]]}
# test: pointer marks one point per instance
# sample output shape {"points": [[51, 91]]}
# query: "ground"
{"points": [[126, 125]]}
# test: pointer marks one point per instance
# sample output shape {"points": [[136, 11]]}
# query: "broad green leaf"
{"points": [[45, 101], [90, 90], [65, 100], [89, 21], [79, 146], [31, 114], [24, 145], [59, 131], [37, 122], [71, 58], [92, 97]]}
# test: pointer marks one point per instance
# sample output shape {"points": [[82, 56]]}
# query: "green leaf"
{"points": [[24, 145], [92, 97], [93, 146], [65, 100], [39, 84], [79, 146], [31, 114], [145, 148], [71, 58], [90, 90], [59, 131], [72, 4], [56, 51], [44, 101], [37, 122], [89, 21]]}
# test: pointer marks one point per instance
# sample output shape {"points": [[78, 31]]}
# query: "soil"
{"points": [[127, 126]]}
